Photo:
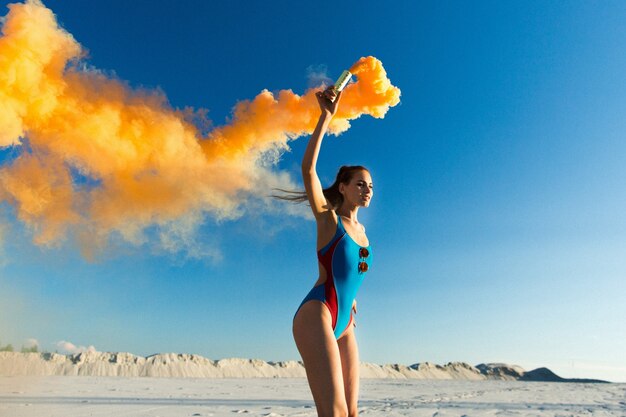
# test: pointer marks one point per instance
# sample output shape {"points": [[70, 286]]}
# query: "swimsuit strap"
{"points": [[340, 223], [338, 235]]}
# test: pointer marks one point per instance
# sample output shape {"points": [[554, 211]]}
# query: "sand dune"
{"points": [[173, 365]]}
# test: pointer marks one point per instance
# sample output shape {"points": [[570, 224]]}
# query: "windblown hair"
{"points": [[332, 194]]}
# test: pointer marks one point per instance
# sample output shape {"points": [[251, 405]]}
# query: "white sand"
{"points": [[67, 396]]}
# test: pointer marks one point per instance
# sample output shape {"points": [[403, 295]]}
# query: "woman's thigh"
{"points": [[312, 331], [349, 353]]}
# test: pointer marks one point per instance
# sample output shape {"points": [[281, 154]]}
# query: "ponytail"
{"points": [[332, 194]]}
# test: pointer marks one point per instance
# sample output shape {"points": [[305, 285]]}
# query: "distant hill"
{"points": [[195, 366], [544, 374], [504, 371]]}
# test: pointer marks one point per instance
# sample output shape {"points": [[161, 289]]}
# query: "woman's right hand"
{"points": [[325, 99]]}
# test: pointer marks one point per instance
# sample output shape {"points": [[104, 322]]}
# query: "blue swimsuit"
{"points": [[340, 258]]}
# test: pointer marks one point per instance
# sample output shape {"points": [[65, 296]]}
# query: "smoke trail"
{"points": [[99, 158]]}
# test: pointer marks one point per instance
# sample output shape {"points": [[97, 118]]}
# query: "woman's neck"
{"points": [[349, 214]]}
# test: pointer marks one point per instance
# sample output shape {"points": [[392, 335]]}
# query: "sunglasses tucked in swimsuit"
{"points": [[346, 263]]}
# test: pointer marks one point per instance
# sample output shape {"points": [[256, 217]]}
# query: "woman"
{"points": [[323, 326]]}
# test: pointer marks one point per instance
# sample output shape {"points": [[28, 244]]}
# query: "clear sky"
{"points": [[498, 222]]}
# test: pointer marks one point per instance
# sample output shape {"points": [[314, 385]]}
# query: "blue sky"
{"points": [[498, 221]]}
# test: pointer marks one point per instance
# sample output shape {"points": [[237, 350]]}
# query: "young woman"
{"points": [[323, 327]]}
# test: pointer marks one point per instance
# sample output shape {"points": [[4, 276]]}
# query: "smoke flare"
{"points": [[97, 157]]}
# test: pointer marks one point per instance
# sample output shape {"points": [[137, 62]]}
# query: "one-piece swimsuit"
{"points": [[340, 258]]}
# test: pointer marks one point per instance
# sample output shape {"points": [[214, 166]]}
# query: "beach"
{"points": [[76, 396]]}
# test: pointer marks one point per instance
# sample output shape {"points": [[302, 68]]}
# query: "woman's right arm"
{"points": [[312, 183]]}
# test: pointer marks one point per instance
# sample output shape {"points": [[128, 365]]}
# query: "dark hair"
{"points": [[332, 194]]}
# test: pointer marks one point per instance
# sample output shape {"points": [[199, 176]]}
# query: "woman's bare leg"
{"points": [[349, 353], [320, 353]]}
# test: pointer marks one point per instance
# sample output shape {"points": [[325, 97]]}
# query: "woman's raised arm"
{"points": [[328, 101]]}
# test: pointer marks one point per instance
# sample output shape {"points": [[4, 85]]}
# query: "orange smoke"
{"points": [[141, 162]]}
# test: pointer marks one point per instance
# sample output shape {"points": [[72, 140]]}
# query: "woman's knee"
{"points": [[352, 407], [339, 410], [343, 412]]}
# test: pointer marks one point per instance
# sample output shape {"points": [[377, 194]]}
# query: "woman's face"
{"points": [[359, 190]]}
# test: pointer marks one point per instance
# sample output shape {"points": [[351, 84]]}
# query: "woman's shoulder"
{"points": [[327, 221], [326, 228], [328, 218]]}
